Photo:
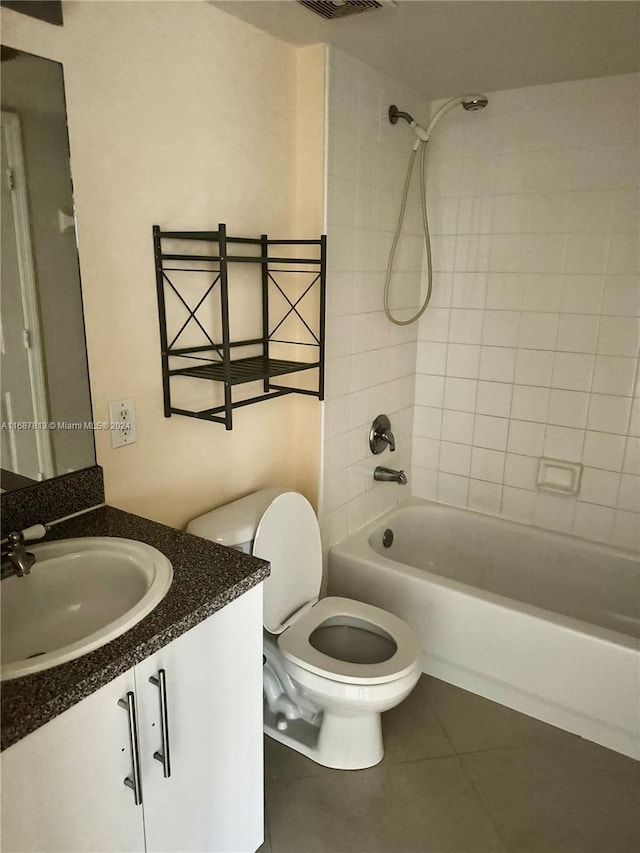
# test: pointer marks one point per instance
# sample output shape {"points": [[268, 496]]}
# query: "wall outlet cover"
{"points": [[122, 417]]}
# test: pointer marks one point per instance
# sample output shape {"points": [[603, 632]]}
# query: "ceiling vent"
{"points": [[330, 9]]}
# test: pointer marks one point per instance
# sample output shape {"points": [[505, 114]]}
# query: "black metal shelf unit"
{"points": [[215, 361]]}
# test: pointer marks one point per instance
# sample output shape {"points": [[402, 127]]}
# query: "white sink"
{"points": [[80, 594]]}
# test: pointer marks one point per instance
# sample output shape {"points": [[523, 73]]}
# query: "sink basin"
{"points": [[80, 595]]}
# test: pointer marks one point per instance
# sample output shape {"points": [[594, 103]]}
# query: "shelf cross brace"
{"points": [[294, 308], [192, 313]]}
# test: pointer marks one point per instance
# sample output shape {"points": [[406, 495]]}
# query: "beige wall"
{"points": [[183, 116]]}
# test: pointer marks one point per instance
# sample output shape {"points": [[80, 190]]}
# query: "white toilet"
{"points": [[332, 665]]}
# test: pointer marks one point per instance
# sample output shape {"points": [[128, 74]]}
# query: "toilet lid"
{"points": [[288, 536]]}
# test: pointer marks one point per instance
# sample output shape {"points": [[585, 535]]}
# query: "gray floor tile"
{"points": [[281, 762], [573, 796], [473, 723], [412, 731], [517, 785], [418, 806]]}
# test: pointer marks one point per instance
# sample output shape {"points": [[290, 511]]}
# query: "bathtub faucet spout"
{"points": [[389, 475]]}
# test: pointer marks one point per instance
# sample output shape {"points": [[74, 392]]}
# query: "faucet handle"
{"points": [[36, 531], [380, 435], [389, 437], [29, 534]]}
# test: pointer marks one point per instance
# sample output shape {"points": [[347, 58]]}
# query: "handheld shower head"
{"points": [[469, 102], [475, 102]]}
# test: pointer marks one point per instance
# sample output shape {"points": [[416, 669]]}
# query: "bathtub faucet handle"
{"points": [[389, 437], [381, 436]]}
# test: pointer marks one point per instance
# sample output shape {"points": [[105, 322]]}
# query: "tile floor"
{"points": [[459, 774]]}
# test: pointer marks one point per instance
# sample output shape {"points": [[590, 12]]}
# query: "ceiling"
{"points": [[442, 47]]}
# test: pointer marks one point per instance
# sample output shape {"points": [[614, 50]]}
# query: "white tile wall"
{"points": [[370, 365], [531, 346]]}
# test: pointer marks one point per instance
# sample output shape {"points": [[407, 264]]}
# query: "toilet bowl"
{"points": [[332, 665]]}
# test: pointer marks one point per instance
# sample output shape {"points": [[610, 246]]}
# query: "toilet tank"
{"points": [[235, 524]]}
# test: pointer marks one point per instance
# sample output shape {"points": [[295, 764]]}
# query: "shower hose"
{"points": [[422, 147]]}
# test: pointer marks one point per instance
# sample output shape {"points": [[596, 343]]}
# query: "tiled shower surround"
{"points": [[530, 345]]}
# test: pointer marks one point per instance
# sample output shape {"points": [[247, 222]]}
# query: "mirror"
{"points": [[45, 400]]}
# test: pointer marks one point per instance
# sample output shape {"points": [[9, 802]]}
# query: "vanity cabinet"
{"points": [[213, 799], [63, 785]]}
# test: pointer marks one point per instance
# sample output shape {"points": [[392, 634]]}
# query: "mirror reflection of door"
{"points": [[24, 451], [44, 360]]}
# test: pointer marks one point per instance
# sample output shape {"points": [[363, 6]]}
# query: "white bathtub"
{"points": [[542, 622]]}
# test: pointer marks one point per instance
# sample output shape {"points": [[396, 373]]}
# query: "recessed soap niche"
{"points": [[560, 476]]}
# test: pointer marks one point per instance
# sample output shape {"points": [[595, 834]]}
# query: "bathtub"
{"points": [[542, 622]]}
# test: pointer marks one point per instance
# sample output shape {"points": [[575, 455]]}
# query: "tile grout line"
{"points": [[380, 766], [483, 804], [437, 716]]}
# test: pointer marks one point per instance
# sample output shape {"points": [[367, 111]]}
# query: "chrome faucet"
{"points": [[390, 475], [17, 554], [19, 559], [381, 436]]}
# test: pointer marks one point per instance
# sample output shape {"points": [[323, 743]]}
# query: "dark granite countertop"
{"points": [[206, 576]]}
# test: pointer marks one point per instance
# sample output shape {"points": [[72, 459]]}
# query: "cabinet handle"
{"points": [[164, 757], [129, 704]]}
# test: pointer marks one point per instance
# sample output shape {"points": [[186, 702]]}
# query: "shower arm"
{"points": [[395, 114], [420, 132]]}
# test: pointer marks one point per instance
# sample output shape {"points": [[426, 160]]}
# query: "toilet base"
{"points": [[339, 742]]}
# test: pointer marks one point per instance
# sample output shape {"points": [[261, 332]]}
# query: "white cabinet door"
{"points": [[213, 799], [63, 785]]}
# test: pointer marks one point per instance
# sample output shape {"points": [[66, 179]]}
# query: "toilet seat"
{"points": [[288, 536], [295, 647]]}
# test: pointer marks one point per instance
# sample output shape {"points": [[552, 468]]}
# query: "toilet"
{"points": [[331, 665]]}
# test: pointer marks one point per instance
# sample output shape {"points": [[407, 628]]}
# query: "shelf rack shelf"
{"points": [[215, 358]]}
